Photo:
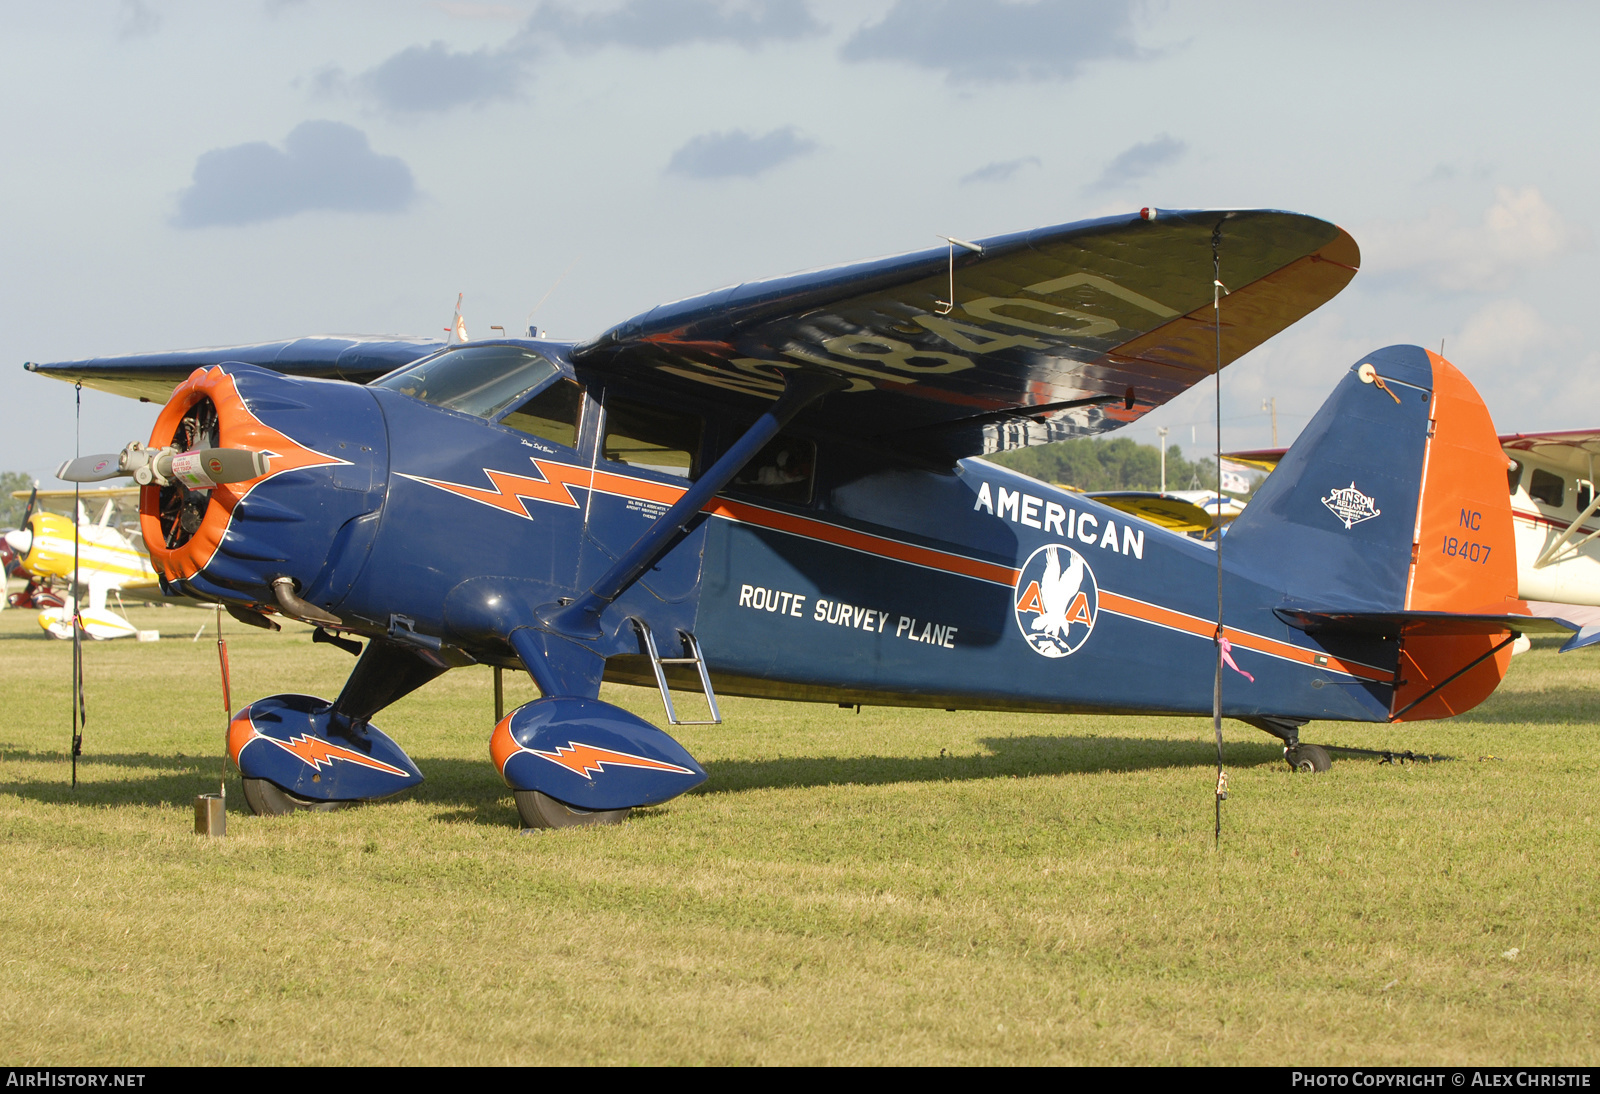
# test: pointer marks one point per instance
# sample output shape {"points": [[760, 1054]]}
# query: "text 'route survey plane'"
{"points": [[768, 490]]}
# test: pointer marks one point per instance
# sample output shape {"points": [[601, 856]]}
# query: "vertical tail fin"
{"points": [[1393, 501], [458, 325]]}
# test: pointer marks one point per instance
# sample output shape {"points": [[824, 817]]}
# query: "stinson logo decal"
{"points": [[1056, 600], [1350, 505]]}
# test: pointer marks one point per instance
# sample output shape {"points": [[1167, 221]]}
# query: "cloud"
{"points": [[992, 40], [136, 19], [1000, 171], [1532, 373], [1519, 230], [1500, 334], [458, 9], [1452, 172], [660, 24], [738, 154], [323, 165], [1143, 159], [433, 78]]}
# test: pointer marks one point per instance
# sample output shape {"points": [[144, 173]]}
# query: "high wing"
{"points": [[1264, 459], [962, 350], [1054, 333], [150, 377], [1573, 447], [123, 495]]}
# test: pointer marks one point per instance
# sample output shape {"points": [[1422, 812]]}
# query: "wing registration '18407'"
{"points": [[1053, 333]]}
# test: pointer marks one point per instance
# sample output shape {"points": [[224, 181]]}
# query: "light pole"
{"points": [[1162, 433]]}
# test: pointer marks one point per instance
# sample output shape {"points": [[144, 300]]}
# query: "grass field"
{"points": [[883, 887]]}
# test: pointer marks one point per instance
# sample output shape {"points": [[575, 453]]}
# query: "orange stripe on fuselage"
{"points": [[863, 541], [510, 487], [1207, 628], [553, 488]]}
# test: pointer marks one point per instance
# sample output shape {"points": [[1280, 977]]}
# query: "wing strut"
{"points": [[581, 618]]}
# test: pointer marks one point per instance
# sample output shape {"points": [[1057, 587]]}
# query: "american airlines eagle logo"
{"points": [[1056, 600]]}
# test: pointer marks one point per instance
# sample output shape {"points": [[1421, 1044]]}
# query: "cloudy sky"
{"points": [[181, 173]]}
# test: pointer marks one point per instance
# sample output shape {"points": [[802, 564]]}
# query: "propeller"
{"points": [[199, 470], [19, 541]]}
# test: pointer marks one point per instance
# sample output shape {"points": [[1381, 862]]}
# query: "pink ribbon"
{"points": [[1227, 658]]}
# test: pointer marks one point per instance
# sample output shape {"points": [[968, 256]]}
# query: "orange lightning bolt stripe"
{"points": [[583, 759], [554, 488], [312, 751], [319, 753]]}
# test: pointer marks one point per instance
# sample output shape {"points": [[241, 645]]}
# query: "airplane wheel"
{"points": [[1309, 758], [267, 799], [540, 810]]}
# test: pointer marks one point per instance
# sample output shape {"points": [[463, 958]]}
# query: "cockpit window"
{"points": [[481, 380], [1548, 488], [652, 437], [551, 414], [783, 471]]}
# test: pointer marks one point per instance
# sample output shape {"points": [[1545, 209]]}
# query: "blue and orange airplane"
{"points": [[772, 490]]}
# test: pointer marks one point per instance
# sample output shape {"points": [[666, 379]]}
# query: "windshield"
{"points": [[481, 380]]}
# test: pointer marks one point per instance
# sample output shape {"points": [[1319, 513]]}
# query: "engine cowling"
{"points": [[309, 518]]}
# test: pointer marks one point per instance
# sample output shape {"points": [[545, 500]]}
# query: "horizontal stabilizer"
{"points": [[1396, 624]]}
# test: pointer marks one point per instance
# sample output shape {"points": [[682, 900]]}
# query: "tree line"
{"points": [[11, 508], [1121, 464]]}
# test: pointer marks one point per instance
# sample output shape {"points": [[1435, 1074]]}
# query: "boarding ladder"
{"points": [[695, 658]]}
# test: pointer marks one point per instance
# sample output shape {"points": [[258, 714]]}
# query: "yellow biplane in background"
{"points": [[1197, 513], [50, 550]]}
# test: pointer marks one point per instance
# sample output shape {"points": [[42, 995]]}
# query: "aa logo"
{"points": [[1057, 599]]}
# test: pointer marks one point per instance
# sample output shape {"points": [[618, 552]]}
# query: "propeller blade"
{"points": [[208, 467], [199, 470], [107, 465], [33, 500]]}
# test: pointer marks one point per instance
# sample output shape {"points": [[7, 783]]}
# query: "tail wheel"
{"points": [[540, 810], [267, 799], [1308, 758]]}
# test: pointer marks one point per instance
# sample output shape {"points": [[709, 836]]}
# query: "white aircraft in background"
{"points": [[1553, 505], [106, 561]]}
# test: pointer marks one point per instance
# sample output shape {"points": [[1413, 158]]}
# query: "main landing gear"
{"points": [[572, 762], [300, 753], [268, 799], [540, 810]]}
